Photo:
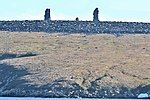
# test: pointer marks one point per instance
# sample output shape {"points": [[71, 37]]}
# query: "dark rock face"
{"points": [[95, 15], [47, 14]]}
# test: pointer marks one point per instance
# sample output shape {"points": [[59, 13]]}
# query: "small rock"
{"points": [[143, 95]]}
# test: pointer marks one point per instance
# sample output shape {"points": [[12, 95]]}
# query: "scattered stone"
{"points": [[86, 27]]}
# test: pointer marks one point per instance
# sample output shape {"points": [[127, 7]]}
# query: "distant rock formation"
{"points": [[76, 26], [95, 15], [47, 15], [77, 19]]}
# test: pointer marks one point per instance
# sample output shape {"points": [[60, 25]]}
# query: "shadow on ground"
{"points": [[7, 56], [13, 85], [4, 56], [10, 79]]}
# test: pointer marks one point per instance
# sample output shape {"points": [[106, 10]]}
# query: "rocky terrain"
{"points": [[86, 27], [75, 65]]}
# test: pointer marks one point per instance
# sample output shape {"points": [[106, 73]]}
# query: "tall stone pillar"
{"points": [[47, 15], [95, 15]]}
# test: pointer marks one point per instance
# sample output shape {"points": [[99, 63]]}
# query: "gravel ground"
{"points": [[76, 65]]}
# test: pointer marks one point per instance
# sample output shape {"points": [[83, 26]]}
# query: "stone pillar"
{"points": [[47, 15], [95, 15]]}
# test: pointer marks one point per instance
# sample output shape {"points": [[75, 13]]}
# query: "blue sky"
{"points": [[109, 10]]}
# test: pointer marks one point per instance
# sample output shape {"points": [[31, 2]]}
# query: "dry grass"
{"points": [[123, 61]]}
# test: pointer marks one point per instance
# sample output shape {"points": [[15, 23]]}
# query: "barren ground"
{"points": [[83, 59]]}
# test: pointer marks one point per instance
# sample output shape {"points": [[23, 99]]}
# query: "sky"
{"points": [[109, 10]]}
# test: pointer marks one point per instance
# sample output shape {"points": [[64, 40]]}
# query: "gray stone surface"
{"points": [[47, 15], [87, 27], [95, 15]]}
